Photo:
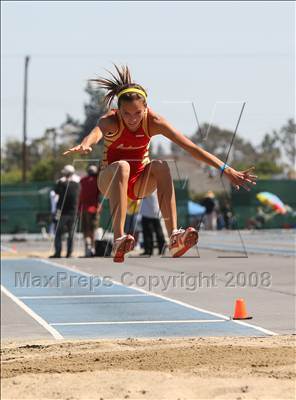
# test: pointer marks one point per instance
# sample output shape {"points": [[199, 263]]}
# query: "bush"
{"points": [[13, 176], [44, 170]]}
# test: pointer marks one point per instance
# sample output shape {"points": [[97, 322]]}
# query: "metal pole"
{"points": [[27, 58]]}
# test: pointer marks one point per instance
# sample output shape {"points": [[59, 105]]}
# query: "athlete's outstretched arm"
{"points": [[237, 178], [85, 146]]}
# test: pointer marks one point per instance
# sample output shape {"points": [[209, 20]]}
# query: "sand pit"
{"points": [[198, 368]]}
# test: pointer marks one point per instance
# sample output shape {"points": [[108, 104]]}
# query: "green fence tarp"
{"points": [[26, 207]]}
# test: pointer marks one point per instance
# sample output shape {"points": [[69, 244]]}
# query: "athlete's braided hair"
{"points": [[116, 84]]}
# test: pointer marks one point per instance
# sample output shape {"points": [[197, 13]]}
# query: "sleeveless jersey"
{"points": [[124, 144]]}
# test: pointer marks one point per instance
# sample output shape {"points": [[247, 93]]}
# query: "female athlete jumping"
{"points": [[126, 170]]}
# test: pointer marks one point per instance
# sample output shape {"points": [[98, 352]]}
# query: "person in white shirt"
{"points": [[53, 210], [151, 224], [67, 189]]}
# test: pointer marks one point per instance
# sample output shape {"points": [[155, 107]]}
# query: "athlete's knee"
{"points": [[122, 169], [160, 167]]}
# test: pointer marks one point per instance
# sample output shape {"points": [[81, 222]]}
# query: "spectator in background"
{"points": [[262, 216], [151, 224], [211, 205], [67, 188], [53, 211], [227, 214], [89, 208], [126, 170]]}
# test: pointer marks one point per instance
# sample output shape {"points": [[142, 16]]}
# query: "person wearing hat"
{"points": [[126, 170], [67, 189], [89, 208]]}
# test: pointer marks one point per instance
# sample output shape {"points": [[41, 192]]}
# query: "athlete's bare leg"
{"points": [[112, 182], [157, 176]]}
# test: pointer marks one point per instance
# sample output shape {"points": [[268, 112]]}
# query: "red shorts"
{"points": [[135, 174]]}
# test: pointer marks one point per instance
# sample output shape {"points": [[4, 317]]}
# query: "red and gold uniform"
{"points": [[132, 147]]}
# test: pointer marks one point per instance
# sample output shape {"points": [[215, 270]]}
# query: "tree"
{"points": [[269, 149], [70, 131], [266, 157], [11, 176], [12, 155], [286, 138], [42, 147], [218, 142], [44, 170], [93, 110], [267, 168]]}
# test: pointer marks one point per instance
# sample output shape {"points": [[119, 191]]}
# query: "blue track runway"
{"points": [[71, 304]]}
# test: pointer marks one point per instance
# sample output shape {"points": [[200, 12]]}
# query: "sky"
{"points": [[214, 55]]}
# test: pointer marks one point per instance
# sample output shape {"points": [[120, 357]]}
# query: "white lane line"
{"points": [[268, 332], [78, 296], [259, 328], [32, 314], [184, 321]]}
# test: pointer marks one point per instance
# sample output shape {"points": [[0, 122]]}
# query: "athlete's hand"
{"points": [[81, 148], [244, 179]]}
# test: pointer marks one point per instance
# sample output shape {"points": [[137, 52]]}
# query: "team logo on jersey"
{"points": [[122, 147]]}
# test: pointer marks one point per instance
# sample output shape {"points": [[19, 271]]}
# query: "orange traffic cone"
{"points": [[240, 311]]}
